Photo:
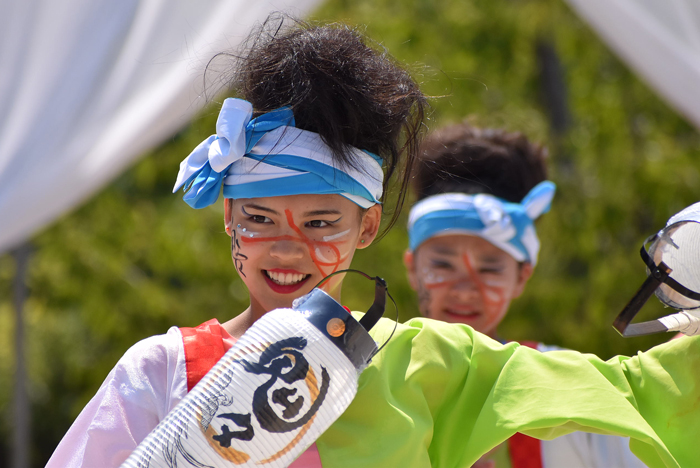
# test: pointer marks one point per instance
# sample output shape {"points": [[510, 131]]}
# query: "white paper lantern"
{"points": [[288, 378]]}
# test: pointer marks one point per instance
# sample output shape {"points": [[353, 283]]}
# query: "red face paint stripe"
{"points": [[483, 288], [252, 240], [312, 250], [248, 240], [310, 244]]}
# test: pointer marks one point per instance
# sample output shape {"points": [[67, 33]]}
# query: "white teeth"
{"points": [[285, 279]]}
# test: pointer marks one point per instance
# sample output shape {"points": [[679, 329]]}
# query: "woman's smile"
{"points": [[462, 313], [285, 281], [285, 277]]}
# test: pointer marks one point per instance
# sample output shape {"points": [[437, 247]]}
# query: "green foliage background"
{"points": [[135, 260]]}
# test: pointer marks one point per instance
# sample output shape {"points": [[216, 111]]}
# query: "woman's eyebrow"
{"points": [[489, 259], [444, 250], [259, 207], [321, 212]]}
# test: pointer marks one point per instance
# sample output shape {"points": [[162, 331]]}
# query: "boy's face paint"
{"points": [[466, 279], [284, 246]]}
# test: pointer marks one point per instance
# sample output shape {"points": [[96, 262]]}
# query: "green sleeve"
{"points": [[441, 395]]}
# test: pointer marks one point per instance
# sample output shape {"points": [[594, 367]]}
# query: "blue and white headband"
{"points": [[508, 226], [269, 157]]}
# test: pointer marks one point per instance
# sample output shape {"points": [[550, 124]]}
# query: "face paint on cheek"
{"points": [[236, 255], [246, 234], [336, 236], [322, 259], [325, 265], [492, 295], [424, 299], [322, 252], [434, 280]]}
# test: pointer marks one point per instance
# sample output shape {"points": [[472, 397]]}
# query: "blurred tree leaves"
{"points": [[135, 259], [625, 164]]}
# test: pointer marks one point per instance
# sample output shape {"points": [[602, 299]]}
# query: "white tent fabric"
{"points": [[87, 86], [659, 39]]}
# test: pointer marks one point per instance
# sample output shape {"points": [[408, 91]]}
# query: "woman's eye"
{"points": [[442, 265], [317, 223], [491, 271], [260, 219]]}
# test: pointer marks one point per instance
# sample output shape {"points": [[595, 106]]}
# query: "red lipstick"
{"points": [[284, 288], [462, 318]]}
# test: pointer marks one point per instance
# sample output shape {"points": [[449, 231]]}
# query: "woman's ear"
{"points": [[409, 261], [524, 274], [228, 215], [370, 226]]}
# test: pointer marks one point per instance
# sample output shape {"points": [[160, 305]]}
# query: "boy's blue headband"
{"points": [[269, 157], [508, 226]]}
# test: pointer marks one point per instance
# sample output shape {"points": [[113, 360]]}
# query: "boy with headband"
{"points": [[473, 247]]}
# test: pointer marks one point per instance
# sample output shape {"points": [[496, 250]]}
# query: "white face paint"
{"points": [[336, 236], [320, 256], [245, 232]]}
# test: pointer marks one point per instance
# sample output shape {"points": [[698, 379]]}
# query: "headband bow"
{"points": [[508, 226], [249, 156]]}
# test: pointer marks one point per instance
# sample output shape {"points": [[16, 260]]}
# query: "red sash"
{"points": [[525, 452], [204, 346]]}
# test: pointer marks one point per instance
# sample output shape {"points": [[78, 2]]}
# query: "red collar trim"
{"points": [[204, 346]]}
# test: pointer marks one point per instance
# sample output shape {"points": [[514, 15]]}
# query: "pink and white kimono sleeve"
{"points": [[147, 382]]}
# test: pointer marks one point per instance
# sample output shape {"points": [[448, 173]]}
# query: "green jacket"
{"points": [[441, 395]]}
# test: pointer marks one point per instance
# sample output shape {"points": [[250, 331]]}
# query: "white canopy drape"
{"points": [[87, 86], [659, 39]]}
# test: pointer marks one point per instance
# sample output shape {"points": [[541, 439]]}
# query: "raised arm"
{"points": [[443, 395]]}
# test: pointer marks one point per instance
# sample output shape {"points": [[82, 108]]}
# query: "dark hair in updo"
{"points": [[461, 158], [337, 86]]}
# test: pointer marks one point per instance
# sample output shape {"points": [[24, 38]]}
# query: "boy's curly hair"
{"points": [[462, 158]]}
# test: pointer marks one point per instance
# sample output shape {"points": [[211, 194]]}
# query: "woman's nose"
{"points": [[288, 250], [465, 284]]}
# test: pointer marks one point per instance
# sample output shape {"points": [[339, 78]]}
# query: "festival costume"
{"points": [[204, 345], [575, 450], [443, 394], [438, 395]]}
